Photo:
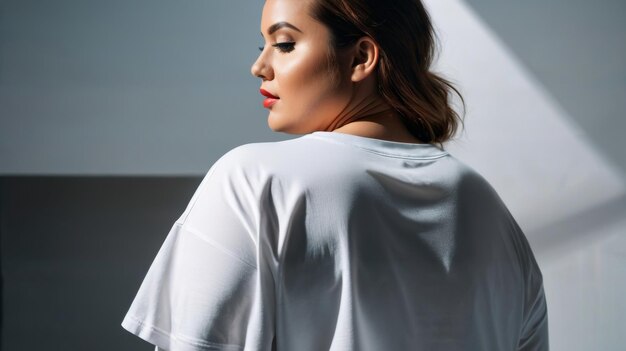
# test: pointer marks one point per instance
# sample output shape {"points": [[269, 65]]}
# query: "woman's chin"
{"points": [[293, 126], [275, 125], [275, 122]]}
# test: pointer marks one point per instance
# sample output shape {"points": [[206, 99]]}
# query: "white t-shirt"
{"points": [[333, 241]]}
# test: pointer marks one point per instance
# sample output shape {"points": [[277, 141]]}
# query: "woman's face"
{"points": [[294, 67]]}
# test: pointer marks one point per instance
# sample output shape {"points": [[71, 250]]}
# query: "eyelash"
{"points": [[282, 47]]}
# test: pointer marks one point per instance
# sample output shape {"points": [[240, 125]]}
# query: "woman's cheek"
{"points": [[294, 74]]}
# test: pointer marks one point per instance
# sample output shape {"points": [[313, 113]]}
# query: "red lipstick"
{"points": [[270, 99]]}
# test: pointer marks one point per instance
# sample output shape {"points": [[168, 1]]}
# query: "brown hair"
{"points": [[406, 39]]}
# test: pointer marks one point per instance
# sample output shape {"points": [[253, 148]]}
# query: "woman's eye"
{"points": [[282, 47]]}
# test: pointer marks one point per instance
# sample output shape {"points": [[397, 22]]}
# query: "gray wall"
{"points": [[74, 251], [577, 50], [127, 87]]}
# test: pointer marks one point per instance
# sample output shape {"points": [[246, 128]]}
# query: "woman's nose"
{"points": [[261, 69]]}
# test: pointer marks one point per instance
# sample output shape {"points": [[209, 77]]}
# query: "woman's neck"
{"points": [[373, 119]]}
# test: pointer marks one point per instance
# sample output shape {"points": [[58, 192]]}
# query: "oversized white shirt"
{"points": [[332, 241]]}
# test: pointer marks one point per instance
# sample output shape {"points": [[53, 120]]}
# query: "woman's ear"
{"points": [[365, 58]]}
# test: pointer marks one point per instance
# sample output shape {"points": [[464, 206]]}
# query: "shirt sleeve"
{"points": [[211, 285], [534, 331], [534, 334]]}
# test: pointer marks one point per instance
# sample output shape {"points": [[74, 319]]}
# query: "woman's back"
{"points": [[334, 241]]}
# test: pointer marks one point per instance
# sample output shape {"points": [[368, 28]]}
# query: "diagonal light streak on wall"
{"points": [[516, 135]]}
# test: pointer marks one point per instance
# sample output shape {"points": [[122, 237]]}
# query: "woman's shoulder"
{"points": [[259, 162], [472, 186], [283, 156], [262, 153], [239, 177], [467, 175]]}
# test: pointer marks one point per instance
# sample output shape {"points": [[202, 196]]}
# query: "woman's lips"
{"points": [[267, 103], [270, 99]]}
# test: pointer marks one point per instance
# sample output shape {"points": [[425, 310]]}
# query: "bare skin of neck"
{"points": [[372, 117]]}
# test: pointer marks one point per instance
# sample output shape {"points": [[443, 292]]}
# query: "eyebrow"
{"points": [[276, 26]]}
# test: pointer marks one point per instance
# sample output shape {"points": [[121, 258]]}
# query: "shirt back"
{"points": [[332, 241]]}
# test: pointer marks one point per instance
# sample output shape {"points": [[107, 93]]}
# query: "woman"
{"points": [[361, 234]]}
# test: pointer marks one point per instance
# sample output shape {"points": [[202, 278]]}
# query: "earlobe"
{"points": [[365, 58]]}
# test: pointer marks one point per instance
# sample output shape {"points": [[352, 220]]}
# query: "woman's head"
{"points": [[295, 68], [348, 53]]}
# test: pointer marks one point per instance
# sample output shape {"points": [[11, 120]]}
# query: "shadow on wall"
{"points": [[74, 252]]}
